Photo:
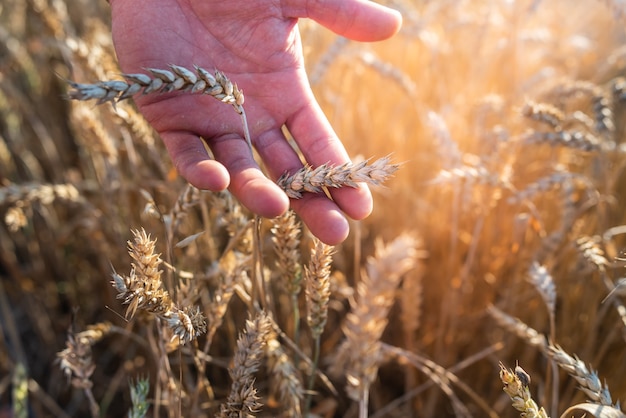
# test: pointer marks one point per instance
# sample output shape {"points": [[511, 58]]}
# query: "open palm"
{"points": [[257, 45]]}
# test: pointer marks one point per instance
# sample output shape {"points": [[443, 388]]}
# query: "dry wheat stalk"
{"points": [[516, 386], [314, 180], [440, 376], [177, 78], [243, 400], [142, 289], [367, 319]]}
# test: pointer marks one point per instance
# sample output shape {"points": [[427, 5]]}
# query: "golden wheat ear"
{"points": [[314, 180]]}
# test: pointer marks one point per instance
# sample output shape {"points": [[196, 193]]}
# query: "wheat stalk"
{"points": [[314, 180]]}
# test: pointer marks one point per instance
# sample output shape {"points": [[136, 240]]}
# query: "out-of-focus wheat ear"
{"points": [[232, 265], [39, 192], [588, 381], [619, 89], [76, 360], [411, 298], [576, 140], [139, 398], [243, 400], [314, 180], [471, 174], [286, 232], [390, 71], [517, 327], [286, 382], [516, 386], [317, 281], [591, 251], [320, 68], [544, 113], [447, 148], [542, 185], [367, 319], [235, 218], [542, 280], [189, 197]]}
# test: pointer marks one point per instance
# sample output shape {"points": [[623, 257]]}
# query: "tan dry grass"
{"points": [[454, 97]]}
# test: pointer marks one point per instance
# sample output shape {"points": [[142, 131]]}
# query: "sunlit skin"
{"points": [[256, 43]]}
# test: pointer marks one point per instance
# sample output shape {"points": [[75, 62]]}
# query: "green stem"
{"points": [[316, 357]]}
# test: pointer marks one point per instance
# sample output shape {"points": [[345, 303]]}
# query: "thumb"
{"points": [[359, 20]]}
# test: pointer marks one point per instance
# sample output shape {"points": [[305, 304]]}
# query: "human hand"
{"points": [[257, 45]]}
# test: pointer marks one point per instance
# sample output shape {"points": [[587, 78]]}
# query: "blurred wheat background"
{"points": [[496, 242]]}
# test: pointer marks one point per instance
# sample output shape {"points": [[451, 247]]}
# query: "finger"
{"points": [[360, 20], [322, 216], [192, 161], [248, 183], [320, 145]]}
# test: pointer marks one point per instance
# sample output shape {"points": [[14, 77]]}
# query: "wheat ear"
{"points": [[317, 279], [589, 381], [516, 386], [367, 319], [76, 361], [314, 180], [288, 386], [243, 400], [142, 289], [177, 78]]}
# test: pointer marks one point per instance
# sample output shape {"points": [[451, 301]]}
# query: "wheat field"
{"points": [[486, 283]]}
